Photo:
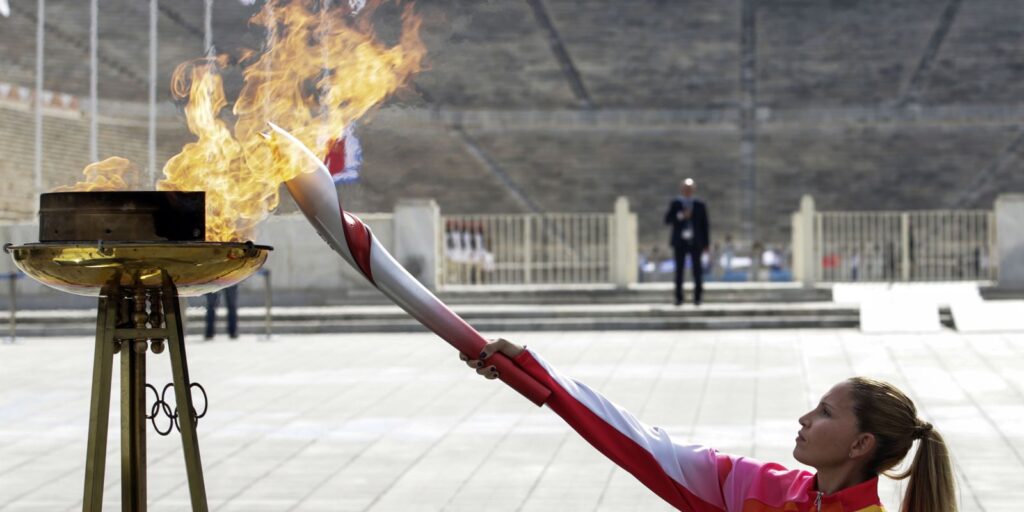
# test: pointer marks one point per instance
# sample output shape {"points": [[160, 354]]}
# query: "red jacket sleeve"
{"points": [[688, 477]]}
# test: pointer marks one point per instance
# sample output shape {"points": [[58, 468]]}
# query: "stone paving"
{"points": [[396, 422]]}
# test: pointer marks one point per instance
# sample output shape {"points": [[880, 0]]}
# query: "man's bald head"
{"points": [[687, 187]]}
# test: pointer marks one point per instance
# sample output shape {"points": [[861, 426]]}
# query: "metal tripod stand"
{"points": [[123, 325]]}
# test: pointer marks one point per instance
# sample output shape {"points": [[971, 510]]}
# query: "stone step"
{"points": [[253, 294], [653, 293], [469, 312], [508, 318], [492, 325]]}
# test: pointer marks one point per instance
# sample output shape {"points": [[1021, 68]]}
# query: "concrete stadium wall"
{"points": [[846, 95], [894, 165], [659, 55]]}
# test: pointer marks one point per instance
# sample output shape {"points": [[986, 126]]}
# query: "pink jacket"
{"points": [[689, 477]]}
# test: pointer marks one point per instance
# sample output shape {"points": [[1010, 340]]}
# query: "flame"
{"points": [[213, 162], [319, 72], [114, 173]]}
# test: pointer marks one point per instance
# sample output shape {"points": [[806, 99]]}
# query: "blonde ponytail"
{"points": [[930, 485], [884, 411]]}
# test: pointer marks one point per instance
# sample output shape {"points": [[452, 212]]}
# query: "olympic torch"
{"points": [[316, 196]]}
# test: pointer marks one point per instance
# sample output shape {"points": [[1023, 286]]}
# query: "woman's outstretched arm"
{"points": [[689, 477]]}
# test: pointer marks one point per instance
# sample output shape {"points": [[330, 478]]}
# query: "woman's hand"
{"points": [[480, 364]]}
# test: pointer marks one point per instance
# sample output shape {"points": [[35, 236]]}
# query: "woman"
{"points": [[861, 428]]}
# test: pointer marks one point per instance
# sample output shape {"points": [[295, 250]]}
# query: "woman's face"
{"points": [[828, 433]]}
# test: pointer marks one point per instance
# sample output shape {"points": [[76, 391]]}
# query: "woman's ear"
{"points": [[863, 445]]}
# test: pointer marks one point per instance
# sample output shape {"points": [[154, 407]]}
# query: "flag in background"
{"points": [[345, 157]]}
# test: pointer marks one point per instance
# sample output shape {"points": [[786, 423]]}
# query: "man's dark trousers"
{"points": [[231, 294], [681, 252]]}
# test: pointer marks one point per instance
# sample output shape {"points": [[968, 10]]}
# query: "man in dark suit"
{"points": [[690, 235]]}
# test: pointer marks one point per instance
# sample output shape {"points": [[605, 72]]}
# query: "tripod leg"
{"points": [[133, 426], [99, 408], [183, 395]]}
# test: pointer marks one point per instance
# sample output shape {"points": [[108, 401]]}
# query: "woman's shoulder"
{"points": [[767, 469], [769, 482]]}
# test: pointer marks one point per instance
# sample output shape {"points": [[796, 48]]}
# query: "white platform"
{"points": [[938, 294], [857, 293], [989, 316], [903, 307], [890, 313]]}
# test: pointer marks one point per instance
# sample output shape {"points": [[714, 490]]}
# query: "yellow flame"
{"points": [[319, 72], [213, 162], [114, 173]]}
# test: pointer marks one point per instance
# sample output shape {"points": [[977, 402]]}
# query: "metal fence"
{"points": [[562, 248], [926, 245]]}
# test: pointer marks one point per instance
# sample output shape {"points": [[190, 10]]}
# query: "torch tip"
{"points": [[298, 145]]}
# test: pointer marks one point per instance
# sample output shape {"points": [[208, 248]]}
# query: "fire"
{"points": [[114, 173], [319, 72]]}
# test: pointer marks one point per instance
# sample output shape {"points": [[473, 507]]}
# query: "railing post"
{"points": [[818, 243], [803, 242], [796, 245], [905, 246], [993, 246], [416, 226], [623, 248], [1009, 235], [527, 248]]}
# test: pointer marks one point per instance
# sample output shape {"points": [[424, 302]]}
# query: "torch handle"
{"points": [[470, 342], [519, 380]]}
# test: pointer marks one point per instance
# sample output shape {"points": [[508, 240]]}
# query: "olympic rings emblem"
{"points": [[162, 407]]}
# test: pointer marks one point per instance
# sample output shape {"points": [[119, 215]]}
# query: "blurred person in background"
{"points": [[231, 299], [690, 236]]}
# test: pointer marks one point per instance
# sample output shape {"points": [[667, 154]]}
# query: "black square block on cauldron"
{"points": [[132, 216]]}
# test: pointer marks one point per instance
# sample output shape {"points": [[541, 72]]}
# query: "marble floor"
{"points": [[397, 422]]}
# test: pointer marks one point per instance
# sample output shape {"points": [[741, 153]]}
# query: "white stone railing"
{"points": [[886, 246], [531, 249]]}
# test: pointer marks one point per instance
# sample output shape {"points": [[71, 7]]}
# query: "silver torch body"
{"points": [[315, 194]]}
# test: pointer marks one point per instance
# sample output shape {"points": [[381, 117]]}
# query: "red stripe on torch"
{"points": [[357, 235], [452, 328]]}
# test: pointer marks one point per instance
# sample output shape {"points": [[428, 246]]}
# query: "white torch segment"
{"points": [[316, 196], [313, 190], [314, 193], [409, 294]]}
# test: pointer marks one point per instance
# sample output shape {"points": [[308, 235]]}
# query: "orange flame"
{"points": [[114, 173], [332, 50]]}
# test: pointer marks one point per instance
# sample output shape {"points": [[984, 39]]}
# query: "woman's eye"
{"points": [[826, 413]]}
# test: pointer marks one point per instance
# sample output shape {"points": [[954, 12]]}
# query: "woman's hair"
{"points": [[884, 411]]}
